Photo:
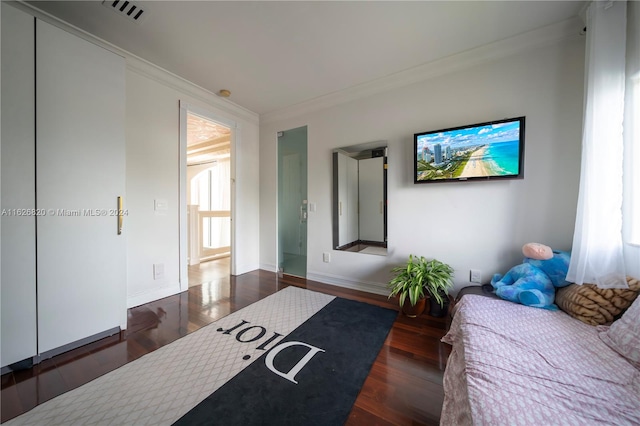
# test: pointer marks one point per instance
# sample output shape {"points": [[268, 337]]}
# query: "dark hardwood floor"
{"points": [[212, 270], [404, 386]]}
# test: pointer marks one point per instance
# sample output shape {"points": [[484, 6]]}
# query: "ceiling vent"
{"points": [[127, 9]]}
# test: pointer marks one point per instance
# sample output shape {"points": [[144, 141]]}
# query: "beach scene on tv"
{"points": [[478, 151]]}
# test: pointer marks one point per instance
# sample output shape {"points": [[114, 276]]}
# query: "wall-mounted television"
{"points": [[491, 150]]}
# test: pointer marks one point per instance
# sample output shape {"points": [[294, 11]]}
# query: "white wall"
{"points": [[152, 173], [152, 138], [480, 225]]}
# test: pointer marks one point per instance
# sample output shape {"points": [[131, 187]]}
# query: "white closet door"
{"points": [[371, 194], [18, 188], [80, 172]]}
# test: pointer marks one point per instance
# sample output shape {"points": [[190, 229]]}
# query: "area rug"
{"points": [[295, 357]]}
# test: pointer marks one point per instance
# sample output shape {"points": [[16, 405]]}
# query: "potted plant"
{"points": [[438, 282], [417, 278]]}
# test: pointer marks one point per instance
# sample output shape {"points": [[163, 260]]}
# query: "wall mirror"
{"points": [[360, 198]]}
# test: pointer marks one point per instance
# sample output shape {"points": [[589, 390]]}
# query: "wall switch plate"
{"points": [[158, 271], [475, 276], [326, 257], [160, 206]]}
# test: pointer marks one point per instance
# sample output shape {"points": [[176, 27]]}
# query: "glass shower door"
{"points": [[292, 202]]}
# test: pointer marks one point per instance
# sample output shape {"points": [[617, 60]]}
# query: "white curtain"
{"points": [[597, 253], [631, 214], [220, 185], [211, 191], [220, 198]]}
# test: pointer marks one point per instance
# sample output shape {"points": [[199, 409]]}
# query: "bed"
{"points": [[516, 365]]}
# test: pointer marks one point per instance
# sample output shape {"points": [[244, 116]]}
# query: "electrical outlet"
{"points": [[326, 257], [475, 276]]}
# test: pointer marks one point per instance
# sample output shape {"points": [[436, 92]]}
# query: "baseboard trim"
{"points": [[268, 267], [244, 268], [339, 281], [366, 286], [73, 345], [150, 296], [25, 364]]}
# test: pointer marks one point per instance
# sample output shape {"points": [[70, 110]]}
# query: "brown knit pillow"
{"points": [[596, 306]]}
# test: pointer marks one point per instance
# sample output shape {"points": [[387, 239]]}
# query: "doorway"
{"points": [[207, 199], [292, 202]]}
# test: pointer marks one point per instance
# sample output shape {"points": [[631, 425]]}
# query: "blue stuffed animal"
{"points": [[533, 283]]}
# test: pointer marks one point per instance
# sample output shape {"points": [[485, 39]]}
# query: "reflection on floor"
{"points": [[212, 270], [404, 386], [295, 264]]}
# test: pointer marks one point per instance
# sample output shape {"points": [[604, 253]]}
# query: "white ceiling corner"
{"points": [[530, 40], [283, 58]]}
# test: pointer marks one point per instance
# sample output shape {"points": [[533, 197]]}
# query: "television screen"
{"points": [[491, 150]]}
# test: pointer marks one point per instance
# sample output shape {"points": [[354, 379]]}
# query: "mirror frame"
{"points": [[359, 152]]}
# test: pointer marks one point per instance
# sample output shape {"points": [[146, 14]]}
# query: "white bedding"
{"points": [[516, 365]]}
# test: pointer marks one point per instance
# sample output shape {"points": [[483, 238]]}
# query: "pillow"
{"points": [[624, 334], [596, 306]]}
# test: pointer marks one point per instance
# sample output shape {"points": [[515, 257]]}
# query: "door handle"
{"points": [[120, 215]]}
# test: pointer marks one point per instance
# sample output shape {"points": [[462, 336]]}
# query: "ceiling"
{"points": [[273, 55], [206, 140], [201, 130]]}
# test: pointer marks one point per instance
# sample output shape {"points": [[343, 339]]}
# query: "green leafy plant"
{"points": [[418, 276]]}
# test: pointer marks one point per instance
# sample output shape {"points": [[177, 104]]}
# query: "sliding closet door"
{"points": [[18, 254], [80, 169]]}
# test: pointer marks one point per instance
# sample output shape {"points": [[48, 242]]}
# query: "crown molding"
{"points": [[145, 68], [550, 34], [162, 76]]}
